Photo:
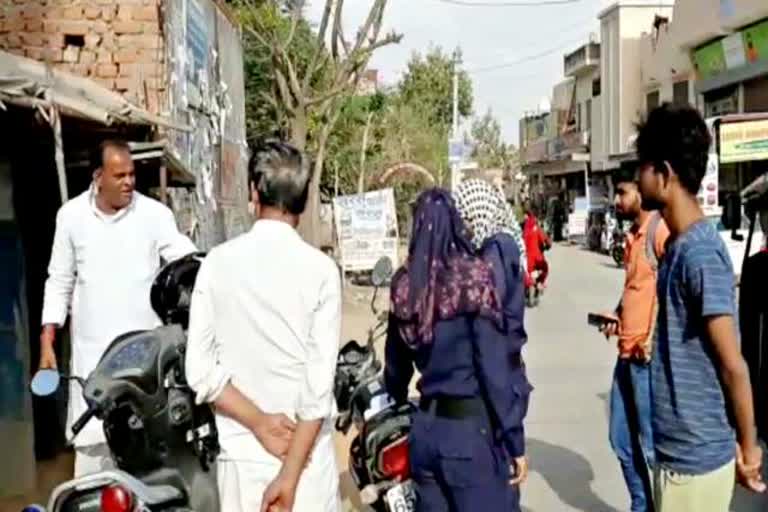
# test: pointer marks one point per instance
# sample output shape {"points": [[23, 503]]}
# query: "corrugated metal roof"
{"points": [[34, 84]]}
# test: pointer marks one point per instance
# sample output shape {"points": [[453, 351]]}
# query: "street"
{"points": [[570, 366]]}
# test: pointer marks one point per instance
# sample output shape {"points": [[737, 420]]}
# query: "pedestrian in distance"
{"points": [[702, 410]]}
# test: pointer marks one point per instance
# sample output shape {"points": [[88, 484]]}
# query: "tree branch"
{"points": [[319, 45], [295, 18]]}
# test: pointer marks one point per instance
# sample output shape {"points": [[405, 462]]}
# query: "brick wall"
{"points": [[115, 42]]}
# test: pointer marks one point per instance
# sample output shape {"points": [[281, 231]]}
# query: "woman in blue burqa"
{"points": [[447, 321]]}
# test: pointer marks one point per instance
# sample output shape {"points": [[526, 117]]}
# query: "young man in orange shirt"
{"points": [[631, 435]]}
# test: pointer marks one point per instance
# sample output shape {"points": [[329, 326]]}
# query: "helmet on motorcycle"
{"points": [[172, 289]]}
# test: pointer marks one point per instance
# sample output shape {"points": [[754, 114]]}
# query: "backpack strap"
{"points": [[650, 241]]}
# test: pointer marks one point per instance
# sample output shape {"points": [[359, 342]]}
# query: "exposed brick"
{"points": [[151, 27], [92, 41], [109, 41], [33, 39], [126, 56], [127, 27], [54, 12], [92, 12], [34, 26], [125, 83], [151, 42], [71, 54], [125, 13], [150, 57], [148, 13], [99, 26], [14, 41], [74, 28], [82, 69], [14, 25], [103, 56], [53, 55], [106, 70], [73, 12], [87, 57], [33, 11], [35, 53], [131, 70], [108, 13], [54, 40]]}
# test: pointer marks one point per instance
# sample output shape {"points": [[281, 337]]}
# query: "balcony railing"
{"points": [[562, 147], [585, 58]]}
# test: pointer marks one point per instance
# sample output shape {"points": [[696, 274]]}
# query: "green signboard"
{"points": [[709, 60], [756, 41]]}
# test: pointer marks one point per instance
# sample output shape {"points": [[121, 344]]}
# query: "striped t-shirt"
{"points": [[691, 428]]}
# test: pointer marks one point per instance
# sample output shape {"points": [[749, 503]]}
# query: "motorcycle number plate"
{"points": [[401, 498], [378, 404]]}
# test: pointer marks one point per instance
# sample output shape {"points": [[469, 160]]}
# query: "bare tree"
{"points": [[340, 61]]}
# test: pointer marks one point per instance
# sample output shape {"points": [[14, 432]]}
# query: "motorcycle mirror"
{"points": [[382, 271], [45, 382]]}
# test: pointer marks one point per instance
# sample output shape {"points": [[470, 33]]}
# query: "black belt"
{"points": [[453, 408]]}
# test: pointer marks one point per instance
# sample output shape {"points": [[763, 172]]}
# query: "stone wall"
{"points": [[117, 43]]}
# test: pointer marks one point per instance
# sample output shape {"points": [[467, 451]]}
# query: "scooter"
{"points": [[163, 444], [378, 456], [617, 246]]}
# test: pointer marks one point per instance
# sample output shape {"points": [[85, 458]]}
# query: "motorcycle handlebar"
{"points": [[83, 420]]}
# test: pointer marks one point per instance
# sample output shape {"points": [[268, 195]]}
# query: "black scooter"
{"points": [[378, 456], [163, 444]]}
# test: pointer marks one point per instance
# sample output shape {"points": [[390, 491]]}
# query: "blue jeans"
{"points": [[630, 430]]}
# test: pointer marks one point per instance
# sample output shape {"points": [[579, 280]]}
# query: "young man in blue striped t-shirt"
{"points": [[703, 418]]}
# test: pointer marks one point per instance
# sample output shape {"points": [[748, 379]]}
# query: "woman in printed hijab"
{"points": [[497, 238], [446, 320]]}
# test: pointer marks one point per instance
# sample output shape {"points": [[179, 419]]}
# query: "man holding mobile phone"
{"points": [[633, 321]]}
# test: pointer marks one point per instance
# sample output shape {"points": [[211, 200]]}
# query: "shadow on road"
{"points": [[569, 474]]}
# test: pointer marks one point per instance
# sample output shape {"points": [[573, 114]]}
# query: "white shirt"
{"points": [[266, 316], [101, 270]]}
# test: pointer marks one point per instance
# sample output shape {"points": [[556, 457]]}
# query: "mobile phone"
{"points": [[598, 320]]}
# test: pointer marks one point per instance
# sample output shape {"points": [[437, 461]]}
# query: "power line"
{"points": [[530, 3], [527, 58]]}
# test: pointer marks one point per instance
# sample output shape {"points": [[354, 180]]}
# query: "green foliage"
{"points": [[428, 86], [490, 150]]}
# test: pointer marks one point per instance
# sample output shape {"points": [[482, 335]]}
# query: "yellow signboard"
{"points": [[743, 142]]}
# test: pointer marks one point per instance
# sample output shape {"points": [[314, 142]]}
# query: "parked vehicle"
{"points": [[163, 444], [378, 456], [617, 248]]}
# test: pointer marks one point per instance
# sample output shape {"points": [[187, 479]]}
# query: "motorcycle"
{"points": [[617, 246], [378, 456], [163, 444]]}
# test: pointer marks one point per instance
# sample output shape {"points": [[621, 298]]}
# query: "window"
{"points": [[680, 93], [595, 87], [652, 100], [578, 116], [588, 108]]}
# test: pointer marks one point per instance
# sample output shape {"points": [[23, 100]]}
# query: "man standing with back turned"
{"points": [[263, 339], [108, 246], [630, 420], [699, 380]]}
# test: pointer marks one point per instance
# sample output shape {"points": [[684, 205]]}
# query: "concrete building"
{"points": [[714, 55], [621, 27], [555, 145]]}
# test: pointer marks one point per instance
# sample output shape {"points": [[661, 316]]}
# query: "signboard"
{"points": [[756, 41], [709, 60], [197, 41], [733, 50], [709, 192], [743, 142], [366, 226]]}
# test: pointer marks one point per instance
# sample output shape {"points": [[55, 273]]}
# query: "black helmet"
{"points": [[172, 289]]}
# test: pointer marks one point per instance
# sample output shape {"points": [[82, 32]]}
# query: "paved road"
{"points": [[570, 365]]}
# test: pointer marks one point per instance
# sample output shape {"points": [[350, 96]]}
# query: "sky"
{"points": [[530, 41]]}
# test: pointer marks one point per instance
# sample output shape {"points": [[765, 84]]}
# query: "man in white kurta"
{"points": [[265, 321], [101, 271]]}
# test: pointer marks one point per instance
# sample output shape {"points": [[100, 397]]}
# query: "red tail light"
{"points": [[394, 462], [116, 498]]}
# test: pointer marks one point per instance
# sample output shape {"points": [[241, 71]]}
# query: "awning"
{"points": [[34, 84]]}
